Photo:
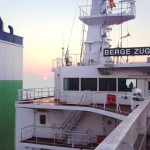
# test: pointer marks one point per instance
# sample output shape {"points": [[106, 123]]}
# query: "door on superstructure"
{"points": [[146, 87], [109, 125], [57, 83]]}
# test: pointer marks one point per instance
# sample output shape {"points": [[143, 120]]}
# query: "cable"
{"points": [[72, 25]]}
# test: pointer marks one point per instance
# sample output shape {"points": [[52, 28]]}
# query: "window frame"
{"points": [[71, 88], [126, 87], [107, 79], [85, 87], [42, 119]]}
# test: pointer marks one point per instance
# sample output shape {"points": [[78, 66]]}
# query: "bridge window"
{"points": [[71, 84], [125, 84], [89, 84], [107, 84]]}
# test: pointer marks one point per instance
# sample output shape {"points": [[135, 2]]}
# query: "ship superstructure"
{"points": [[93, 94]]}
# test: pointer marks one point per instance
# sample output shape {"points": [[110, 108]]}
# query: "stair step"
{"points": [[73, 119]]}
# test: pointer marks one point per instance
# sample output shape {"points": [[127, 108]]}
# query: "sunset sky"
{"points": [[46, 26]]}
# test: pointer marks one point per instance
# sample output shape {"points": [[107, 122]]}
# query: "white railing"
{"points": [[69, 124], [91, 59], [27, 132], [124, 7], [58, 62], [80, 138], [74, 60], [89, 98], [128, 131], [35, 93], [94, 99]]}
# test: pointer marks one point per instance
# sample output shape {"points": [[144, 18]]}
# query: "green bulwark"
{"points": [[8, 96]]}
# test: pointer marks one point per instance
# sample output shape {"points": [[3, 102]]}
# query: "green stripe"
{"points": [[8, 95]]}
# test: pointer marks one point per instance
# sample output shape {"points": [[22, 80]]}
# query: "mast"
{"points": [[99, 17]]}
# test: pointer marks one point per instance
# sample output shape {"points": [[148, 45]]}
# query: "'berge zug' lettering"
{"points": [[127, 51]]}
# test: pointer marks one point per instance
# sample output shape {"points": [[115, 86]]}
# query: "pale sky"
{"points": [[46, 26]]}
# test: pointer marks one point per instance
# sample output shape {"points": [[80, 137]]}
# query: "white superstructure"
{"points": [[92, 95]]}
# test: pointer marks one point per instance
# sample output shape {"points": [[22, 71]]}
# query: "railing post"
{"points": [[117, 103], [55, 137], [49, 92], [30, 94], [26, 94], [38, 94], [77, 99], [72, 141], [104, 101], [19, 94], [36, 136], [41, 92], [91, 142], [58, 96], [38, 98], [21, 135], [34, 93]]}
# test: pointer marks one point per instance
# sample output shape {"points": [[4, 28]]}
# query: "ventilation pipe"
{"points": [[11, 29], [1, 25]]}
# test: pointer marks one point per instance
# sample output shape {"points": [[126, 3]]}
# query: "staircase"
{"points": [[73, 118], [69, 124], [85, 138]]}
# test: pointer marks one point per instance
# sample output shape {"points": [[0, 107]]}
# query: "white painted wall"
{"points": [[92, 72], [11, 64], [57, 79], [24, 117], [54, 119], [109, 125], [92, 122]]}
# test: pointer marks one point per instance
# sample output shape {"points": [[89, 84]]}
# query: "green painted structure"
{"points": [[11, 66], [8, 95]]}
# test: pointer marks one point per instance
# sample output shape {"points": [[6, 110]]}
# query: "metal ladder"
{"points": [[85, 138], [73, 119], [69, 124]]}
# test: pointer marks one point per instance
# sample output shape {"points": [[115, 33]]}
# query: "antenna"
{"points": [[82, 41], [121, 24], [72, 25]]}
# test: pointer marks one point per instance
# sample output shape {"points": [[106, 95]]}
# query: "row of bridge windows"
{"points": [[99, 84]]}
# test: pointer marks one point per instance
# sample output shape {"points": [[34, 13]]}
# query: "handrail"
{"points": [[127, 129], [124, 6], [69, 123], [82, 100], [25, 131], [35, 93], [73, 137], [79, 97], [70, 116], [145, 133], [83, 138], [76, 61]]}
